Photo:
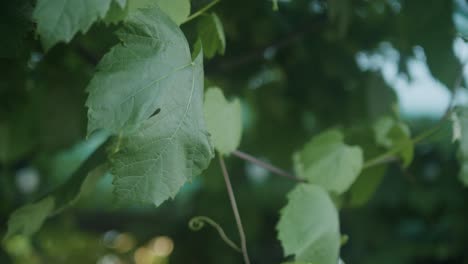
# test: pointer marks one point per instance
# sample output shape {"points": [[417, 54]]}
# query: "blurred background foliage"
{"points": [[309, 66]]}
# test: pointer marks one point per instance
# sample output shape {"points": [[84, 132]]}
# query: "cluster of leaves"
{"points": [[149, 72], [147, 107]]}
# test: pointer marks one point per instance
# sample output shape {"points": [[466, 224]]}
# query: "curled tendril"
{"points": [[198, 222]]}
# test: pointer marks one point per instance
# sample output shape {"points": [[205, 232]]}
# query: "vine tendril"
{"points": [[198, 222]]}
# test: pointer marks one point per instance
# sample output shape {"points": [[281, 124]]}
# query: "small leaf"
{"points": [[116, 13], [223, 120], [177, 10], [275, 5], [28, 219], [365, 186], [60, 20], [393, 134], [211, 33], [152, 69], [308, 226], [327, 161]]}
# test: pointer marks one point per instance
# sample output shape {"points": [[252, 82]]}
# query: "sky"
{"points": [[422, 95]]}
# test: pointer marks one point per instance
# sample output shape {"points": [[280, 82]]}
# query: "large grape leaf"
{"points": [[150, 92], [60, 20], [211, 33], [308, 226], [327, 161], [223, 120]]}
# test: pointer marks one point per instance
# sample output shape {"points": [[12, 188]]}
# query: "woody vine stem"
{"points": [[232, 199]]}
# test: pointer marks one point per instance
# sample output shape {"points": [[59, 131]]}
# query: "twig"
{"points": [[232, 199], [389, 156], [201, 11], [198, 222], [229, 64], [266, 166]]}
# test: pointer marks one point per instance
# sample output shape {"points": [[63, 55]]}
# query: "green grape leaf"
{"points": [[308, 226], [60, 20], [29, 218], [365, 185], [223, 120], [211, 33], [395, 135], [327, 161], [460, 134], [116, 13], [177, 10], [148, 91], [136, 78]]}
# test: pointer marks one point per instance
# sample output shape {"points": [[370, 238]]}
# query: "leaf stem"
{"points": [[201, 11], [232, 199], [386, 157], [389, 156], [267, 166], [198, 222]]}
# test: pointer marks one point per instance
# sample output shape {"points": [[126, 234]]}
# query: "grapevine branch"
{"points": [[266, 166], [232, 199]]}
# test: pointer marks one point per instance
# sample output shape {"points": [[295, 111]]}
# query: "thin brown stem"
{"points": [[228, 64], [266, 166], [232, 199]]}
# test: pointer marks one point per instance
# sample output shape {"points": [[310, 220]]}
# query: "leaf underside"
{"points": [[327, 161], [149, 92], [308, 226]]}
